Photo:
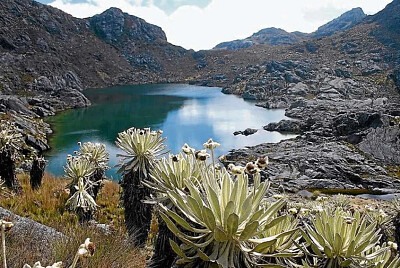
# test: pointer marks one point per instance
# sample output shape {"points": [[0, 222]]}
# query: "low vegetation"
{"points": [[197, 214]]}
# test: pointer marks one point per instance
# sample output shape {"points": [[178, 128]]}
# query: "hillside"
{"points": [[48, 57], [275, 36], [143, 45], [342, 23], [341, 91], [271, 36], [341, 88]]}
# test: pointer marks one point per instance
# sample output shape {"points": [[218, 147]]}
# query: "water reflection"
{"points": [[185, 113]]}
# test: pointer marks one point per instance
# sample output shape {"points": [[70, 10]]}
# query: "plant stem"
{"points": [[213, 163], [75, 261], [3, 240]]}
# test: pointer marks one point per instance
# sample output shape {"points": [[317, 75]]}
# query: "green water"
{"points": [[185, 113]]}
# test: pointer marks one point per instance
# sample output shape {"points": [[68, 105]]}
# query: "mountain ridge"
{"points": [[276, 36]]}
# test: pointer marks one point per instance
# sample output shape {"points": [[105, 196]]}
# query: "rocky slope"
{"points": [[342, 93], [342, 23], [47, 58], [143, 45], [275, 36], [388, 21]]}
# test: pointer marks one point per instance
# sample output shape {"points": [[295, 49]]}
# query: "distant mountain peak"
{"points": [[270, 30], [342, 23], [114, 9], [115, 26], [272, 36], [276, 36]]}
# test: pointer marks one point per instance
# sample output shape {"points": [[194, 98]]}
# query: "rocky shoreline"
{"points": [[349, 135]]}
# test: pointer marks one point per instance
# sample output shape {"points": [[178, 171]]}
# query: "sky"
{"points": [[202, 24]]}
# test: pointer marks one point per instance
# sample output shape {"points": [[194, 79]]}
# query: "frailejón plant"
{"points": [[341, 239], [141, 149], [11, 143], [96, 154], [225, 217]]}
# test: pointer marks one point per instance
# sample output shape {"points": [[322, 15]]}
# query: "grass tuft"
{"points": [[47, 206]]}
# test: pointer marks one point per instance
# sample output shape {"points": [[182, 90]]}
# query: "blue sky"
{"points": [[202, 24]]}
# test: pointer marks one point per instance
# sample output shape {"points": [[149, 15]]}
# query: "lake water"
{"points": [[186, 114]]}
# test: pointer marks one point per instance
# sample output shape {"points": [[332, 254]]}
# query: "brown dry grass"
{"points": [[47, 206]]}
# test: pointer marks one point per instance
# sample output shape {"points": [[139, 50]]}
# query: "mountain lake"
{"points": [[186, 114]]}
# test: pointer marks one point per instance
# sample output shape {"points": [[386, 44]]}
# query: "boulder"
{"points": [[246, 132], [40, 237], [285, 126], [342, 73], [10, 103], [298, 89], [374, 69]]}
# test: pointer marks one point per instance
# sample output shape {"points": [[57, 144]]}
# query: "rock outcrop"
{"points": [[246, 132], [41, 238], [306, 163], [143, 45]]}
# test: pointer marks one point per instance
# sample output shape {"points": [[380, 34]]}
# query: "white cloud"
{"points": [[223, 20]]}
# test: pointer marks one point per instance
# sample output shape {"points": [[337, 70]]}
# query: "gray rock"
{"points": [[298, 89], [299, 164], [6, 43], [383, 143], [285, 126], [374, 69], [36, 143], [42, 237], [396, 77], [342, 23], [42, 112], [275, 103], [12, 103], [350, 123], [291, 77], [342, 73], [246, 132]]}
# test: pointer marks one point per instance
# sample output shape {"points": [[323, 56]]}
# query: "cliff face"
{"points": [[143, 45]]}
